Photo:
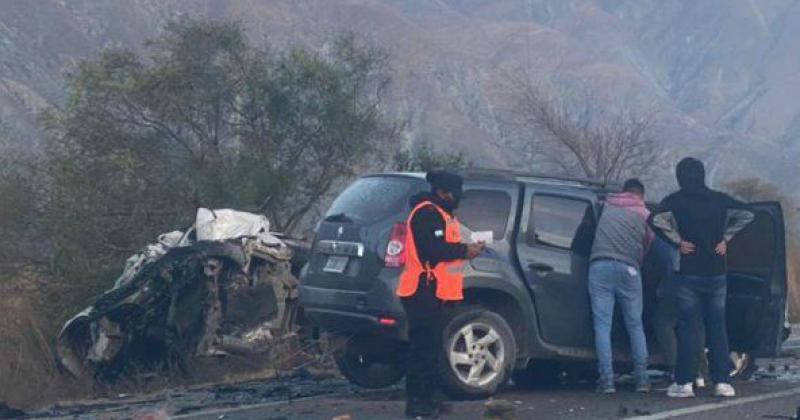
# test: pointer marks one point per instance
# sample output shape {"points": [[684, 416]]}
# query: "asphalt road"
{"points": [[757, 399], [773, 393]]}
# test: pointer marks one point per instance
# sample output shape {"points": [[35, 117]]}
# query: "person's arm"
{"points": [[663, 223], [738, 216], [428, 229], [649, 235]]}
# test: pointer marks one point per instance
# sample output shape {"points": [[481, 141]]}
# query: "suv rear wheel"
{"points": [[370, 363], [479, 353]]}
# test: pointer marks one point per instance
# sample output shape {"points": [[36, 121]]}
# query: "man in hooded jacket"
{"points": [[423, 296], [700, 222]]}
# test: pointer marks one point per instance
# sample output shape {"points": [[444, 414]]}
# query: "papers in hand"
{"points": [[485, 236]]}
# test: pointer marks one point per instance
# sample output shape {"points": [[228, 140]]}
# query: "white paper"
{"points": [[485, 236]]}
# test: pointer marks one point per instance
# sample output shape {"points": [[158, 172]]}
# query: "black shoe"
{"points": [[421, 411]]}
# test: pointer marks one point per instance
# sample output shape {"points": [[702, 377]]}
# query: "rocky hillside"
{"points": [[724, 74]]}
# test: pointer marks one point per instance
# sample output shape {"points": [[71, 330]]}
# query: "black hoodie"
{"points": [[428, 228], [699, 215]]}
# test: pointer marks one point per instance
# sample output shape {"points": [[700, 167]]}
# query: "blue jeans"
{"points": [[702, 300], [611, 281]]}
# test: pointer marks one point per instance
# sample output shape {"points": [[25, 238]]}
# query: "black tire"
{"points": [[452, 377], [369, 364]]}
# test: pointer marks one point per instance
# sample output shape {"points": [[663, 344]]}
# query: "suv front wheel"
{"points": [[479, 353]]}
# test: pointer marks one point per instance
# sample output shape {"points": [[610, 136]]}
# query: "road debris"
{"points": [[223, 286], [198, 399], [499, 410]]}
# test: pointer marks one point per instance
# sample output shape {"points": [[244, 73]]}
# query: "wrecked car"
{"points": [[526, 308], [225, 285]]}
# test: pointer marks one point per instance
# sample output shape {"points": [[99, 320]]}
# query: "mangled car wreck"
{"points": [[223, 286]]}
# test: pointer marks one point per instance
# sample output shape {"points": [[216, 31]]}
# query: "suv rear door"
{"points": [[553, 247], [757, 283]]}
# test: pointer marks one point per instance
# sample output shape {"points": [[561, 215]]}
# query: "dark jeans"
{"points": [[702, 300], [424, 312], [665, 324]]}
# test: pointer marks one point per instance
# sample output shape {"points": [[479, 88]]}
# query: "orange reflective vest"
{"points": [[449, 275]]}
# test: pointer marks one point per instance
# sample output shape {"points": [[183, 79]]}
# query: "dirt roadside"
{"points": [[27, 363]]}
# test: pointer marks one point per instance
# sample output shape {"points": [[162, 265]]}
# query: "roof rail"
{"points": [[489, 172]]}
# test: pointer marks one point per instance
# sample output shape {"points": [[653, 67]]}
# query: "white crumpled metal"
{"points": [[151, 253], [222, 224]]}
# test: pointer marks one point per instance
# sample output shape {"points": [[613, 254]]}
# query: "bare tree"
{"points": [[582, 134], [424, 157]]}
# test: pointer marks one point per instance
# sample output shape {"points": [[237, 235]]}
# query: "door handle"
{"points": [[540, 267]]}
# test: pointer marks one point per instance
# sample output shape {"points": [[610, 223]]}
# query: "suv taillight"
{"points": [[396, 248]]}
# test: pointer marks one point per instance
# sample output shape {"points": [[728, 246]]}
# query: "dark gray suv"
{"points": [[526, 307]]}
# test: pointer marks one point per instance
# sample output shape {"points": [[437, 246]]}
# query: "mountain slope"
{"points": [[723, 73]]}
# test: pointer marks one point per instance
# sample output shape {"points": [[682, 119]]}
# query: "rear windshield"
{"points": [[374, 198]]}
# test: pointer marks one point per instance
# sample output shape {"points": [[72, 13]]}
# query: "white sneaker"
{"points": [[680, 391], [700, 383], [724, 390]]}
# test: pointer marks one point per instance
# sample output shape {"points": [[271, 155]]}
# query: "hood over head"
{"points": [[691, 175]]}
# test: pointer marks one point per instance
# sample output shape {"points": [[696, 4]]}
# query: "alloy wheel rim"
{"points": [[476, 354]]}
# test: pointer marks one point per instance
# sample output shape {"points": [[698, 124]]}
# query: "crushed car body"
{"points": [[223, 286]]}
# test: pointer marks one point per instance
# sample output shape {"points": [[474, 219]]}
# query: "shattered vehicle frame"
{"points": [[192, 294]]}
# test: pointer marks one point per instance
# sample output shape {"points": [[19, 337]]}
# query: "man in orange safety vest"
{"points": [[432, 275]]}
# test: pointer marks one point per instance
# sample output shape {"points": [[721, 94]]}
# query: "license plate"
{"points": [[336, 264]]}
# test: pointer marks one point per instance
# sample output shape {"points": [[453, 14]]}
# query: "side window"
{"points": [[485, 210], [561, 223]]}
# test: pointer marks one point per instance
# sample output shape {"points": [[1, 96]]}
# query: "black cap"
{"points": [[447, 181]]}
